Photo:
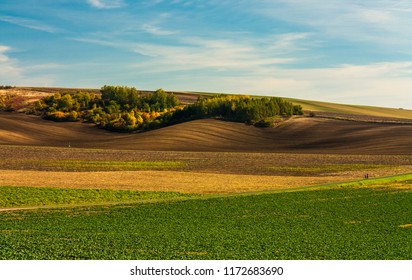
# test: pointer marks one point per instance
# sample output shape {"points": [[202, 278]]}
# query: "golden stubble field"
{"points": [[165, 181]]}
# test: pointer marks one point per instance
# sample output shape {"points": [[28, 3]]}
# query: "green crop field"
{"points": [[360, 220], [12, 197]]}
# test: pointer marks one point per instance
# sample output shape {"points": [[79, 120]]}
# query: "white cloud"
{"points": [[29, 23], [106, 4], [8, 69], [11, 73], [378, 17]]}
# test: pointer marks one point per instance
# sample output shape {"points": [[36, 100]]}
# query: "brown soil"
{"points": [[300, 135]]}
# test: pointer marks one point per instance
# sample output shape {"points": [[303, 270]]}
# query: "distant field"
{"points": [[352, 109], [362, 222]]}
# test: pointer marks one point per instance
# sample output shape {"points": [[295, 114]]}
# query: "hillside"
{"points": [[309, 135], [344, 109]]}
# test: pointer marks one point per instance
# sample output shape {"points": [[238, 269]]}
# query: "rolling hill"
{"points": [[345, 109], [336, 128], [299, 134]]}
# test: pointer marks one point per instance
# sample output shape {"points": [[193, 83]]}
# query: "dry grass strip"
{"points": [[187, 182]]}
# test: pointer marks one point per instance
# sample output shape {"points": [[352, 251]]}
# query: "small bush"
{"points": [[265, 123], [11, 103]]}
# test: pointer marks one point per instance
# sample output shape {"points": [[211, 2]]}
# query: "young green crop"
{"points": [[11, 197], [343, 223]]}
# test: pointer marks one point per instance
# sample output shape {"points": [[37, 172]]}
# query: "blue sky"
{"points": [[346, 51]]}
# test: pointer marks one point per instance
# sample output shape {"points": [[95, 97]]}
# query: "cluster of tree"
{"points": [[116, 108], [127, 98], [121, 108], [259, 111], [6, 87], [66, 106]]}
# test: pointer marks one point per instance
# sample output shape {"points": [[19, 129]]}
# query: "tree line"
{"points": [[237, 108]]}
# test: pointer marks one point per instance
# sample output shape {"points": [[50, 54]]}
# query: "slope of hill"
{"points": [[310, 135], [22, 129], [335, 108]]}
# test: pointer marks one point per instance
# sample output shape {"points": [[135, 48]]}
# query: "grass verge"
{"points": [[86, 165], [330, 168]]}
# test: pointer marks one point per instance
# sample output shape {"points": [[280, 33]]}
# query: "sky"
{"points": [[344, 51]]}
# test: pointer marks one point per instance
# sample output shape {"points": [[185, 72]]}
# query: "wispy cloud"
{"points": [[185, 52], [208, 54], [3, 56], [289, 42], [155, 30], [383, 23], [106, 4], [29, 23], [100, 42], [188, 53]]}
